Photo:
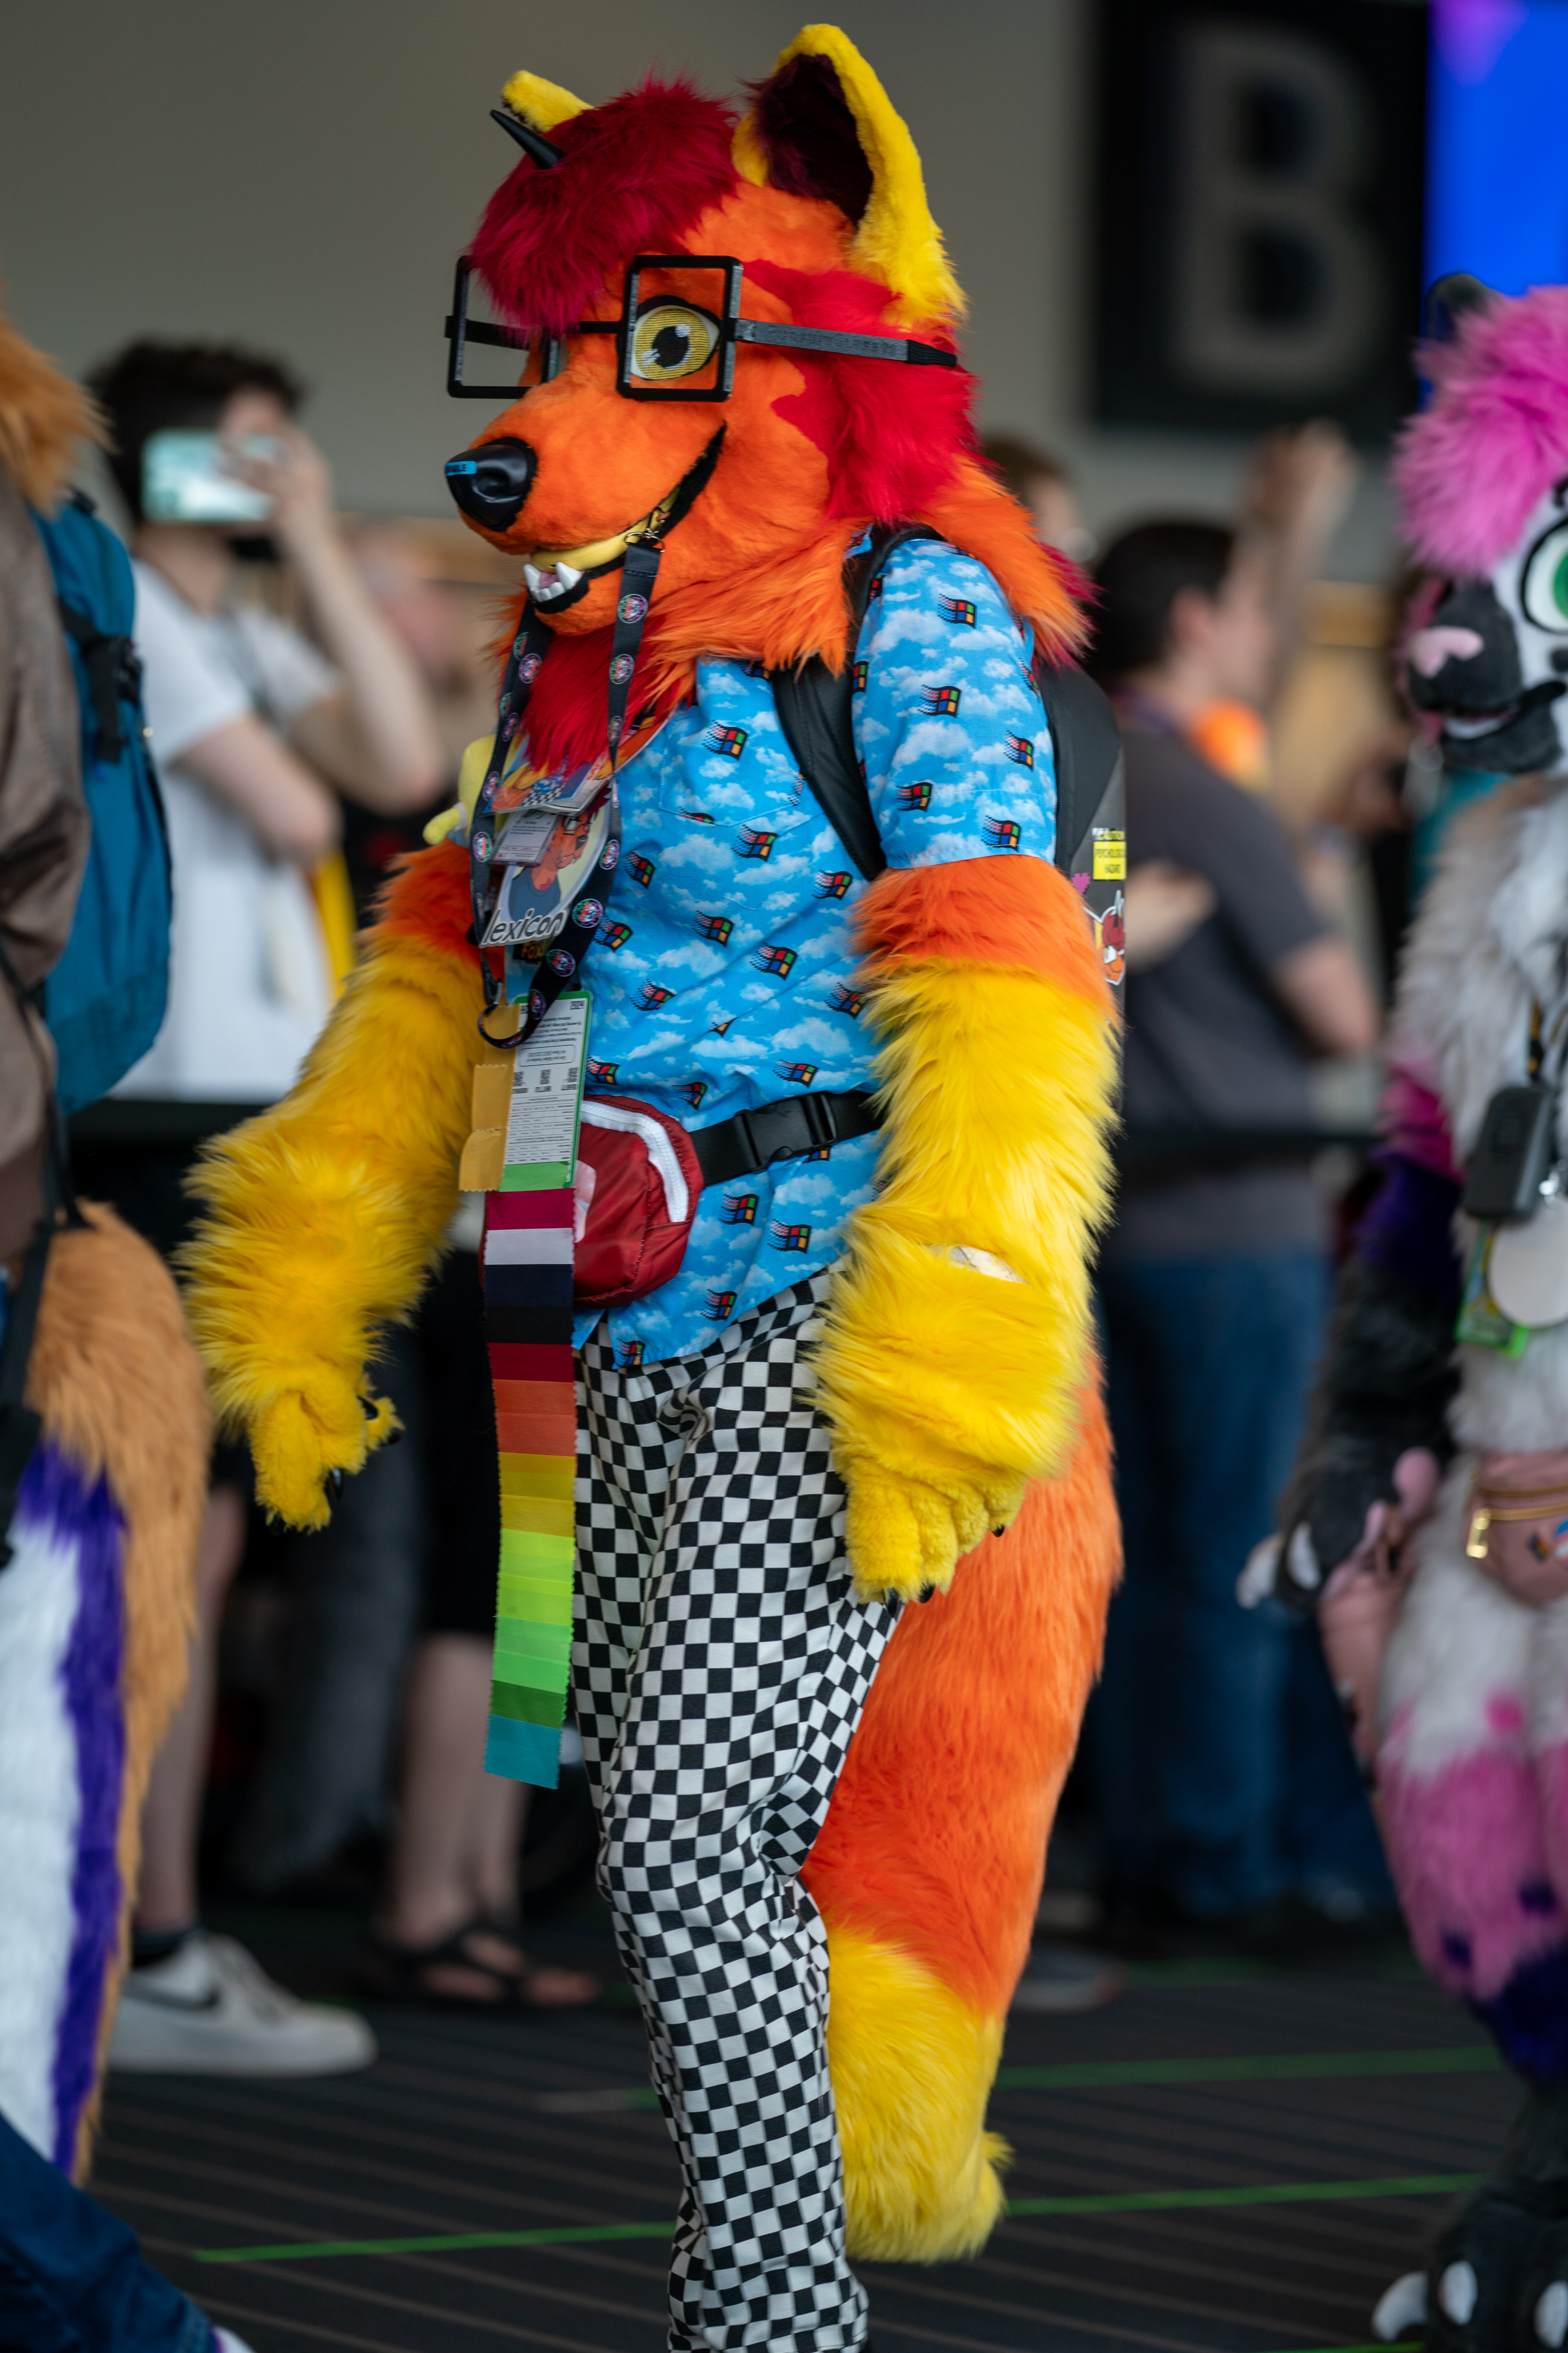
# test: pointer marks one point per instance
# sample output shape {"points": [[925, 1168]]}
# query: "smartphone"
{"points": [[183, 479]]}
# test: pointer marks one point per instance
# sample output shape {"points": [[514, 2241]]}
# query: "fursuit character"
{"points": [[1429, 1517], [104, 1427], [868, 1379]]}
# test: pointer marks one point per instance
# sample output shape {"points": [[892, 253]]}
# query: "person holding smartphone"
{"points": [[256, 730]]}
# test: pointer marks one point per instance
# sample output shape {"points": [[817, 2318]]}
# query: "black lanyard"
{"points": [[564, 960]]}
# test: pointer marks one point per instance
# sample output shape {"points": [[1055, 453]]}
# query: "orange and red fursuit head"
{"points": [[951, 1370]]}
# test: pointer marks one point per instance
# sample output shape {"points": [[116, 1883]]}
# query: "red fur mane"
{"points": [[634, 175]]}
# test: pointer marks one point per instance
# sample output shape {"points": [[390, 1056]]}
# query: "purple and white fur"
{"points": [[62, 1767]]}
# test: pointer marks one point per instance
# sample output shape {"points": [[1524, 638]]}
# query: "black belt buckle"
{"points": [[771, 1130]]}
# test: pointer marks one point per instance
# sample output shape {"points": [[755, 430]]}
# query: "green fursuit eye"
{"points": [[1544, 590], [672, 340]]}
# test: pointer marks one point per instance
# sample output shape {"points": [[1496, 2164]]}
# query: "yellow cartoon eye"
{"points": [[671, 340], [1544, 592]]}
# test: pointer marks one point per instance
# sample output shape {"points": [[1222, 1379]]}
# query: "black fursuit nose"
{"points": [[490, 481]]}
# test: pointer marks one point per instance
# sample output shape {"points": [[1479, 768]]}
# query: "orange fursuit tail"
{"points": [[929, 1866], [928, 1870]]}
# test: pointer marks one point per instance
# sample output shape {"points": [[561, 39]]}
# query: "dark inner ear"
{"points": [[809, 137]]}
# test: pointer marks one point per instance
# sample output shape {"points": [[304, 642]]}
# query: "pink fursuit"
{"points": [[1494, 439], [1472, 1861], [1412, 1116]]}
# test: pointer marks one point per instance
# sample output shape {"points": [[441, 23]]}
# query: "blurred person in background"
{"points": [[1042, 483], [444, 626], [448, 1929], [257, 732], [1294, 495], [1228, 1789]]}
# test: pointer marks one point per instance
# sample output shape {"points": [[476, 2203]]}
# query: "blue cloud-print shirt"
{"points": [[724, 975]]}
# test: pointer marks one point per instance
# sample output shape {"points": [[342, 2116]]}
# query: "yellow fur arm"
{"points": [[325, 1213], [947, 1389]]}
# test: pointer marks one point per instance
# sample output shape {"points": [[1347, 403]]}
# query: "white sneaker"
{"points": [[210, 2009], [226, 2341]]}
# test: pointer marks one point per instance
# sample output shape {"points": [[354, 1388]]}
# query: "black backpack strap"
{"points": [[113, 675], [814, 712], [1091, 790], [19, 1425]]}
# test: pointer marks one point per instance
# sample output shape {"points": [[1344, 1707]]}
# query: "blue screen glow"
{"points": [[1497, 175]]}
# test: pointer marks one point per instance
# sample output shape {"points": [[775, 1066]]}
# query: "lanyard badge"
{"points": [[541, 864]]}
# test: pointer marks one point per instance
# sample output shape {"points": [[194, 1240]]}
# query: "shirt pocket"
{"points": [[740, 782]]}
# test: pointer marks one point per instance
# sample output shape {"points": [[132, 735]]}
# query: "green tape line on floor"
{"points": [[1126, 2201], [1088, 2075], [1475, 2059], [1258, 2193], [566, 2235]]}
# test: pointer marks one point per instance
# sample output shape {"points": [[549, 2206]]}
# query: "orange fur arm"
{"points": [[949, 1384], [325, 1213]]}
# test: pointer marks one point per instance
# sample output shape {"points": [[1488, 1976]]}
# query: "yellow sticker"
{"points": [[1110, 855]]}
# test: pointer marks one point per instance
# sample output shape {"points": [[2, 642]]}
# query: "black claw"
{"points": [[334, 1484]]}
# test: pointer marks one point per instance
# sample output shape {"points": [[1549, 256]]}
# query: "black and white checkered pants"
{"points": [[720, 1667]]}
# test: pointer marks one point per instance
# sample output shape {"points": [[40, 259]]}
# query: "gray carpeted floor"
{"points": [[1224, 2161]]}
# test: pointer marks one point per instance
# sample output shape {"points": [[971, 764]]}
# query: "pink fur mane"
{"points": [[1469, 470]]}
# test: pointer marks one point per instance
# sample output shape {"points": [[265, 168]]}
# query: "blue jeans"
{"points": [[1225, 1774], [72, 2279]]}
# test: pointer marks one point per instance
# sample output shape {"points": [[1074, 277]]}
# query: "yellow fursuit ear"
{"points": [[541, 104], [896, 240]]}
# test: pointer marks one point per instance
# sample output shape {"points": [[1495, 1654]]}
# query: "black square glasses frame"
{"points": [[734, 329]]}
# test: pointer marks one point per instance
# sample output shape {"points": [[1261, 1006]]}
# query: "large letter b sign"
{"points": [[1260, 211]]}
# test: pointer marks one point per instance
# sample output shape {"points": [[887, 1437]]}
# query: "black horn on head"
{"points": [[544, 151], [1449, 299]]}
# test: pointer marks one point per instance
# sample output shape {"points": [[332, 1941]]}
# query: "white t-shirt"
{"points": [[249, 983]]}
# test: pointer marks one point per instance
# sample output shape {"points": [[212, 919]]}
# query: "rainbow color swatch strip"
{"points": [[528, 1331]]}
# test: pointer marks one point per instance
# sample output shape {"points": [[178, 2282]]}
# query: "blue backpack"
{"points": [[104, 1000]]}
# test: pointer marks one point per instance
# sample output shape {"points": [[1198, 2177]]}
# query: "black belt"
{"points": [[734, 1148]]}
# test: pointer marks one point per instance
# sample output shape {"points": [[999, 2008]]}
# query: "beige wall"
{"points": [[303, 174]]}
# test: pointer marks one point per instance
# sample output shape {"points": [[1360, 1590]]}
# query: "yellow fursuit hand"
{"points": [[298, 1441], [325, 1214], [905, 1535], [949, 1387]]}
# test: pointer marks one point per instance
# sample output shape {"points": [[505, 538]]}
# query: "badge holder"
{"points": [[1517, 1279], [528, 1100]]}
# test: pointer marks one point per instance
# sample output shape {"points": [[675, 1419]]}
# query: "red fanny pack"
{"points": [[646, 1185]]}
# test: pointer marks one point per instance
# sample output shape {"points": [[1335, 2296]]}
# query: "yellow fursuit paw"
{"points": [[298, 1441], [905, 1535]]}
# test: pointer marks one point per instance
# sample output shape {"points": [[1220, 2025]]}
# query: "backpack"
{"points": [[815, 706], [104, 1000]]}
